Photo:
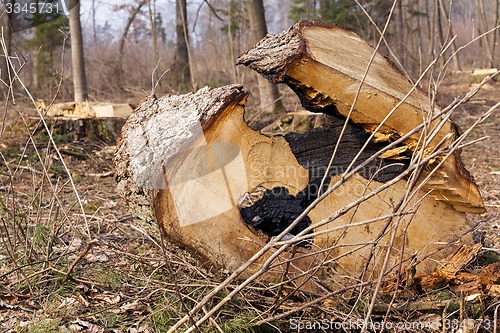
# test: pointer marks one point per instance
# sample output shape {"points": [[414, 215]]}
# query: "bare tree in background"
{"points": [[77, 60], [154, 38], [6, 21], [445, 18], [401, 34], [182, 67], [269, 94], [483, 26], [133, 13], [94, 28], [121, 44]]}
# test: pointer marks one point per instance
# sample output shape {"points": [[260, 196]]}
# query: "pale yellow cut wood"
{"points": [[89, 110], [325, 65], [106, 110]]}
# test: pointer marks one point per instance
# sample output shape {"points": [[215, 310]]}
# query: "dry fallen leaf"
{"points": [[135, 306], [83, 300], [329, 303], [109, 299], [75, 244], [67, 301], [101, 257], [493, 290], [470, 298], [79, 325]]}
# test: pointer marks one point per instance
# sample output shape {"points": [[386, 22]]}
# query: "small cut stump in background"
{"points": [[92, 121], [223, 189]]}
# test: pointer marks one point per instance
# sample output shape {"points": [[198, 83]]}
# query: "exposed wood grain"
{"points": [[324, 65], [223, 190], [204, 174]]}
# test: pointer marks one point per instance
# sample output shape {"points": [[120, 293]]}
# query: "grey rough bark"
{"points": [[269, 94], [181, 69], [77, 58], [171, 121]]}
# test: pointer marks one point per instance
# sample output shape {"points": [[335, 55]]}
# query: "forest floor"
{"points": [[82, 263]]}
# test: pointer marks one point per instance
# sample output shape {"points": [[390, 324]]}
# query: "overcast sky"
{"points": [[276, 14]]}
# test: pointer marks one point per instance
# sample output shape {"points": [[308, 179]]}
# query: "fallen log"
{"points": [[222, 189]]}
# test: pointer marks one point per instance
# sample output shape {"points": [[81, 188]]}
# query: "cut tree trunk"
{"points": [[222, 189], [451, 272], [325, 64]]}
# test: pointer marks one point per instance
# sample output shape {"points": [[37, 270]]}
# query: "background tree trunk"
{"points": [[439, 23], [269, 94], [401, 33], [453, 47], [77, 60], [484, 24], [94, 27], [182, 67], [154, 38], [494, 35], [131, 18], [6, 22]]}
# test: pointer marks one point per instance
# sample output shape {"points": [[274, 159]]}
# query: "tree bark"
{"points": [[269, 94], [182, 64], [77, 56]]}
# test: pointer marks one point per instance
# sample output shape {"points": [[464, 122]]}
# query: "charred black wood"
{"points": [[277, 208], [275, 211], [314, 150]]}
